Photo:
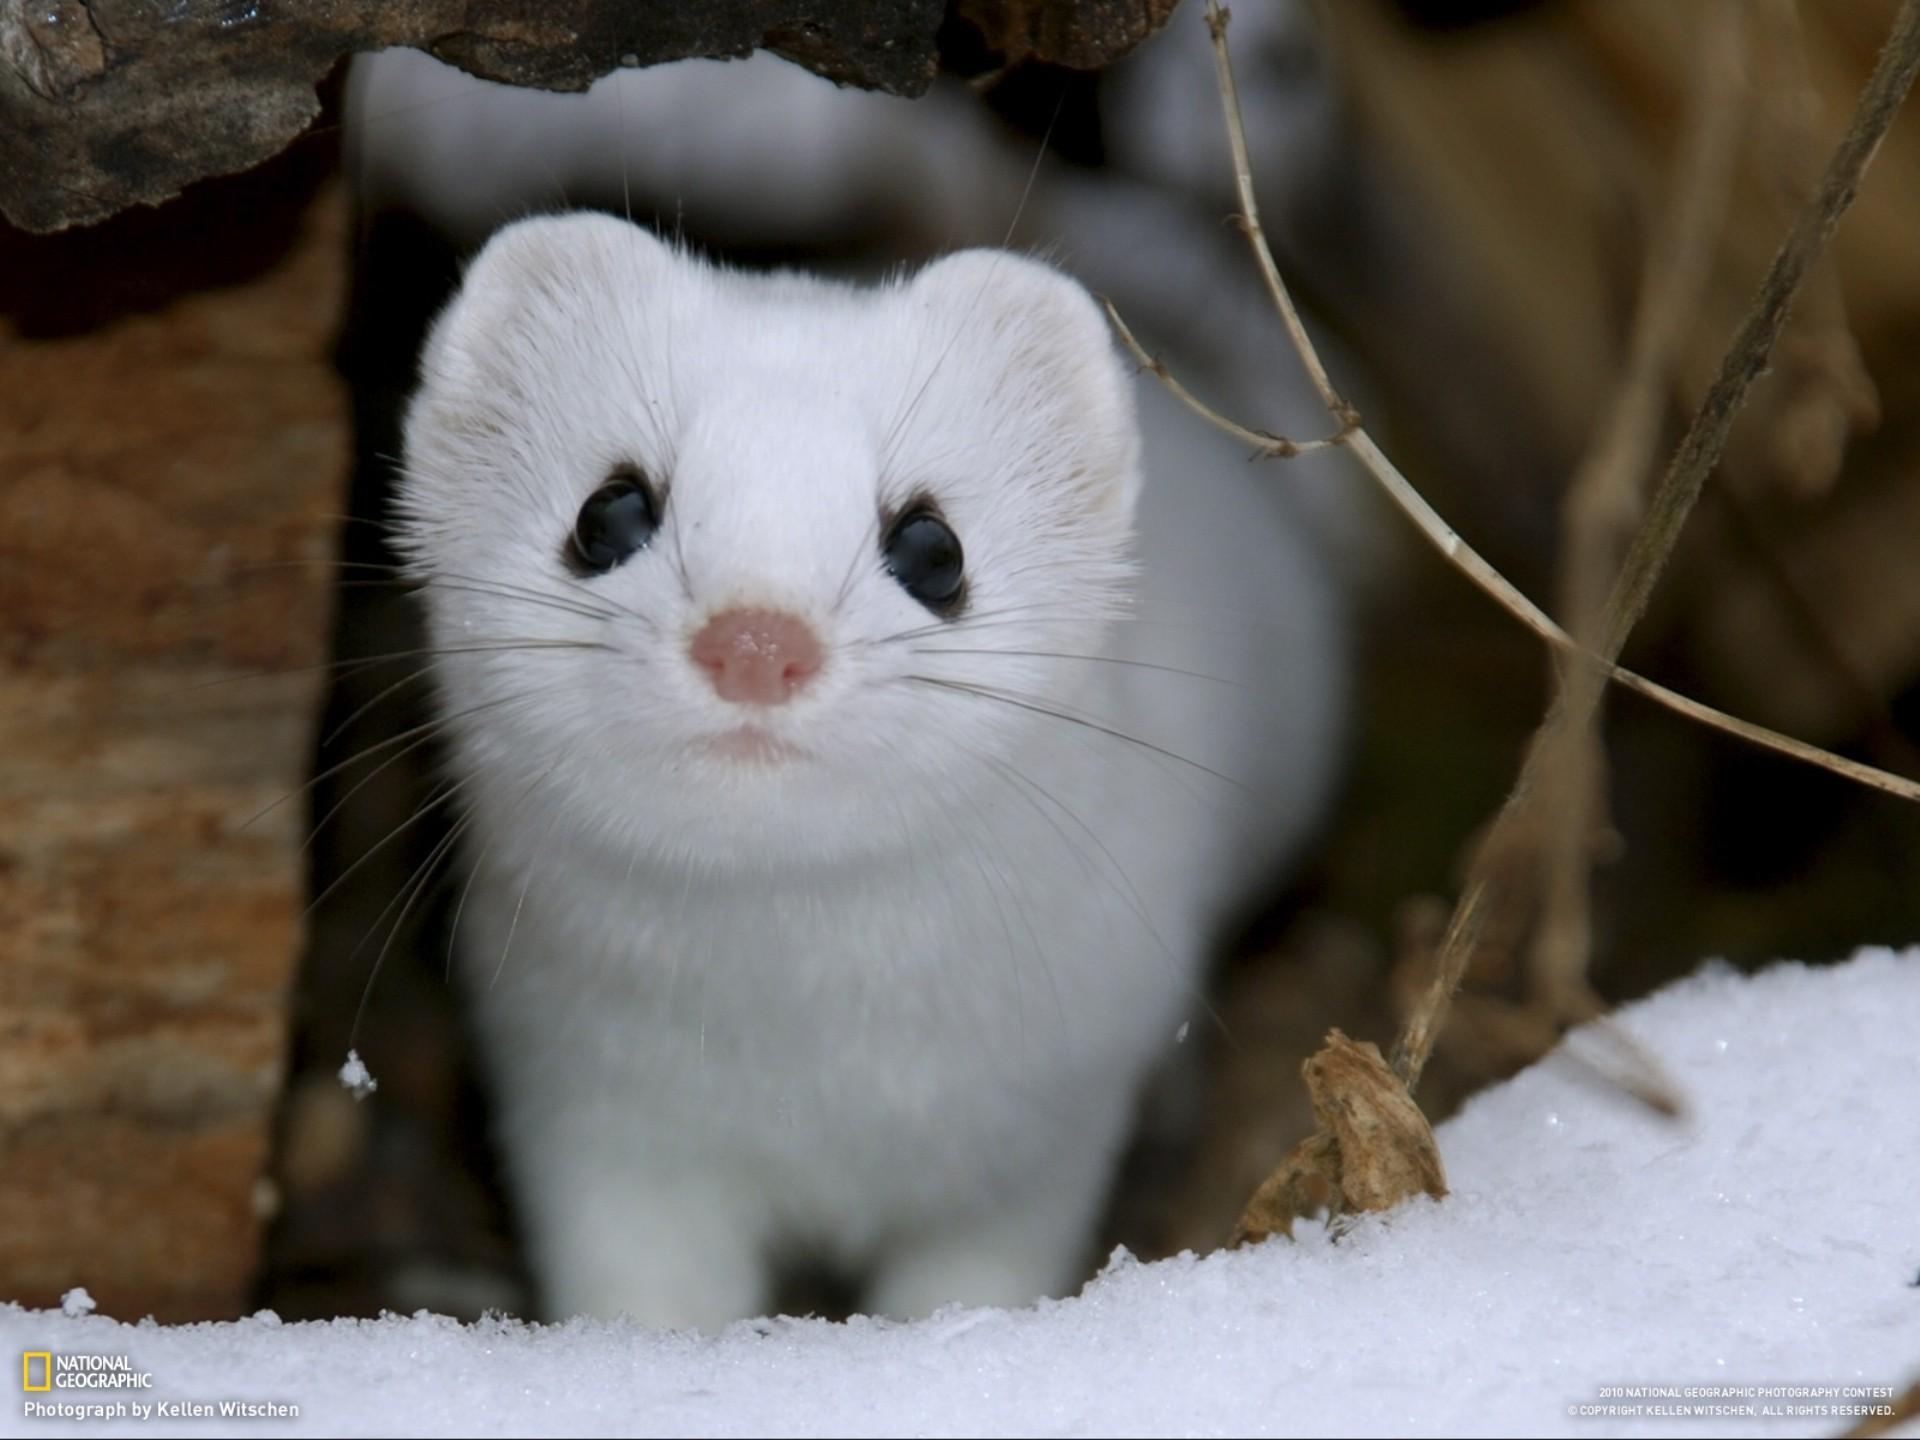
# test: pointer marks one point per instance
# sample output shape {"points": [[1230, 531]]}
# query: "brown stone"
{"points": [[172, 447]]}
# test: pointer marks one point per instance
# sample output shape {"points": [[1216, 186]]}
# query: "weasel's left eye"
{"points": [[618, 519], [924, 555]]}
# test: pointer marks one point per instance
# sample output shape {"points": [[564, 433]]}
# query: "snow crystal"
{"points": [[356, 1077], [1768, 1242], [76, 1302]]}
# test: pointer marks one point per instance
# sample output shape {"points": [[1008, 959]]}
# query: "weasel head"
{"points": [[729, 567]]}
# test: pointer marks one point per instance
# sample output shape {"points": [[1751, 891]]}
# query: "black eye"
{"points": [[618, 519], [924, 555]]}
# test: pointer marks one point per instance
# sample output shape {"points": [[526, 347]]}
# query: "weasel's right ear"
{"points": [[529, 326], [532, 288]]}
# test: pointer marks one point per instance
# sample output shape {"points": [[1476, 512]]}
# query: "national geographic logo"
{"points": [[42, 1371]]}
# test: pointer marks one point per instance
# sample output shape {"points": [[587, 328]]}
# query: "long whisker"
{"points": [[387, 692], [905, 417], [353, 667], [505, 647], [1040, 613], [996, 884], [1125, 888], [497, 592], [437, 797], [1099, 723], [599, 597], [374, 774], [361, 784], [853, 564], [473, 870], [460, 908], [1069, 655], [440, 722], [413, 890], [679, 550], [592, 603], [1006, 697], [1033, 174], [1061, 707], [606, 606], [349, 666], [1031, 613], [513, 925], [388, 529]]}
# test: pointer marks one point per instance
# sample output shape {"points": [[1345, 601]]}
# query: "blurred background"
{"points": [[198, 419]]}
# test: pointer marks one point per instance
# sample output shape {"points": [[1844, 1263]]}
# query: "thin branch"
{"points": [[1584, 681], [1266, 445], [1893, 76], [1575, 704], [1822, 391], [1441, 535], [1347, 417], [1476, 568], [1603, 504], [1603, 498]]}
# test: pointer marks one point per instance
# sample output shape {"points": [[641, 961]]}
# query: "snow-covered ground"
{"points": [[1773, 1240]]}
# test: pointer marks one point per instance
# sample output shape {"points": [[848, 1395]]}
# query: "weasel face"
{"points": [[722, 563]]}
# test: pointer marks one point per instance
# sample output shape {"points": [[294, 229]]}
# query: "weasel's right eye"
{"points": [[618, 519]]}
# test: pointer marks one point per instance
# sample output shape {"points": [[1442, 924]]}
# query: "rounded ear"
{"points": [[527, 323], [1052, 342], [523, 289]]}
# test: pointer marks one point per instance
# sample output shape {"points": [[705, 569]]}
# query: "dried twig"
{"points": [[1603, 503], [1585, 679], [1344, 414], [1820, 391], [1264, 443], [1569, 720], [1746, 356], [1442, 536], [1579, 696]]}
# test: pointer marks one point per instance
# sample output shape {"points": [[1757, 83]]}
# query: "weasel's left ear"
{"points": [[1047, 357]]}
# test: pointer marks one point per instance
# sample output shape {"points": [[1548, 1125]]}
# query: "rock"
{"points": [[111, 103], [173, 445]]}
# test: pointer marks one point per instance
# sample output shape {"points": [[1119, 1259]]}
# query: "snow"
{"points": [[355, 1076], [1771, 1240]]}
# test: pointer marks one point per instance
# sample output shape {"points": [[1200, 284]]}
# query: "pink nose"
{"points": [[757, 657]]}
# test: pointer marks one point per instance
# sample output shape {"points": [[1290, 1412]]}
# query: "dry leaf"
{"points": [[1373, 1150]]}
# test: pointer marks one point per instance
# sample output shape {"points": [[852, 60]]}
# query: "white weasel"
{"points": [[825, 903]]}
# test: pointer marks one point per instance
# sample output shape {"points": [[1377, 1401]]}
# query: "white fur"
{"points": [[893, 1004]]}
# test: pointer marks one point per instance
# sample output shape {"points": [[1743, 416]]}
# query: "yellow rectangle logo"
{"points": [[45, 1357]]}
